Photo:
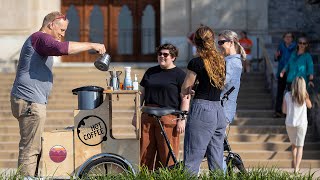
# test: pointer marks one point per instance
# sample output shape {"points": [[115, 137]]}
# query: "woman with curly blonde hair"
{"points": [[206, 123]]}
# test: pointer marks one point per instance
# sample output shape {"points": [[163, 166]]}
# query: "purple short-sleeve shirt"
{"points": [[34, 73]]}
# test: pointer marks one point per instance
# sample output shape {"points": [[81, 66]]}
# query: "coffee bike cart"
{"points": [[103, 140]]}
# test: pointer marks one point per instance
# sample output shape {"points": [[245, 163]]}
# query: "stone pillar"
{"points": [[175, 26], [18, 20]]}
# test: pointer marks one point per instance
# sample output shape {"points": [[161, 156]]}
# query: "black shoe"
{"points": [[277, 115]]}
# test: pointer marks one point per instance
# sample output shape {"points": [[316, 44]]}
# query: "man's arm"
{"points": [[77, 47], [46, 45]]}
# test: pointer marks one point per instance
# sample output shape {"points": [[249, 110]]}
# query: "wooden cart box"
{"points": [[57, 154], [113, 127]]}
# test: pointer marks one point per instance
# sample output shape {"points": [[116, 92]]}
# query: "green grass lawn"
{"points": [[181, 174]]}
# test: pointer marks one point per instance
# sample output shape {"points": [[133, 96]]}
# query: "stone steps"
{"points": [[275, 155], [259, 121], [49, 122], [305, 163], [233, 129], [260, 139], [9, 163], [254, 113], [50, 113]]}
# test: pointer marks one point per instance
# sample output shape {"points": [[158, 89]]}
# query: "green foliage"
{"points": [[180, 174], [10, 175]]}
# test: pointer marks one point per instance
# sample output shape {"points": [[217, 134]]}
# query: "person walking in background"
{"points": [[161, 87], [205, 129], [33, 83], [300, 64], [246, 43], [285, 48], [295, 105]]}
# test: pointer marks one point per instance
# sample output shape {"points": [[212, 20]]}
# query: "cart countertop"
{"points": [[108, 91]]}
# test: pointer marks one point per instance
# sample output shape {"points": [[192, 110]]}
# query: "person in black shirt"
{"points": [[161, 87], [206, 124]]}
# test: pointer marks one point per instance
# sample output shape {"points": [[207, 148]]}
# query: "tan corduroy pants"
{"points": [[31, 117], [152, 143]]}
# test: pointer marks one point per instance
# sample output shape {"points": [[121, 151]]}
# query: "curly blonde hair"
{"points": [[213, 60]]}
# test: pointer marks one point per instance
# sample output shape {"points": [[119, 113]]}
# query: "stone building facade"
{"points": [[260, 18]]}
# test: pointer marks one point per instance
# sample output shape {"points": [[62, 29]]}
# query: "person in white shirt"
{"points": [[295, 105]]}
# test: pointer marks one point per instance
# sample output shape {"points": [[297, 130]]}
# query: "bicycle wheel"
{"points": [[235, 164], [104, 166]]}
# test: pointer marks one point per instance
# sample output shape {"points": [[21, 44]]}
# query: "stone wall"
{"points": [[18, 19], [180, 17], [294, 15], [260, 18]]}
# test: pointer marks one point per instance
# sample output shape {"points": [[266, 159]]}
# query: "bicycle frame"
{"points": [[164, 134]]}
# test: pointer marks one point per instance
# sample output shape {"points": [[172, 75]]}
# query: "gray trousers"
{"points": [[31, 117], [204, 134]]}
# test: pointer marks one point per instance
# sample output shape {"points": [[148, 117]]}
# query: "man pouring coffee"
{"points": [[33, 84]]}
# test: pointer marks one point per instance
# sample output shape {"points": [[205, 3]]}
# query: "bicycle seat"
{"points": [[157, 111]]}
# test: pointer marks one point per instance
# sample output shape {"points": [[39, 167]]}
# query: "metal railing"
{"points": [[271, 79], [10, 64]]}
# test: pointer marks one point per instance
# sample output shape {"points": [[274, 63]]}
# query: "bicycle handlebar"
{"points": [[225, 96], [178, 112]]}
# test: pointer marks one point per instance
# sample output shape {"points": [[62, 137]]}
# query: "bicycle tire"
{"points": [[235, 164], [104, 166]]}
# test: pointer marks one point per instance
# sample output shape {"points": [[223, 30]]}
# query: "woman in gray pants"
{"points": [[205, 129]]}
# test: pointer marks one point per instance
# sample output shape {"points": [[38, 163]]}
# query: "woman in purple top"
{"points": [[33, 83]]}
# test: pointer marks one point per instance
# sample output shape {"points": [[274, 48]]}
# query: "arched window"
{"points": [[96, 25], [130, 30], [73, 30], [125, 31], [148, 30]]}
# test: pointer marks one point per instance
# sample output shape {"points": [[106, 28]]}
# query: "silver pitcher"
{"points": [[115, 79], [103, 62]]}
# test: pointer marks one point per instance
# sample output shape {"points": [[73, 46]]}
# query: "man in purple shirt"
{"points": [[33, 84]]}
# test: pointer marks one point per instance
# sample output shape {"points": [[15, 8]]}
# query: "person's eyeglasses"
{"points": [[221, 42], [164, 54], [304, 43], [59, 17]]}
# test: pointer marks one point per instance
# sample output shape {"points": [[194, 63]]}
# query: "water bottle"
{"points": [[127, 84]]}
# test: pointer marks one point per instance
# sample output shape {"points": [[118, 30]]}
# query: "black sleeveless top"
{"points": [[204, 89]]}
